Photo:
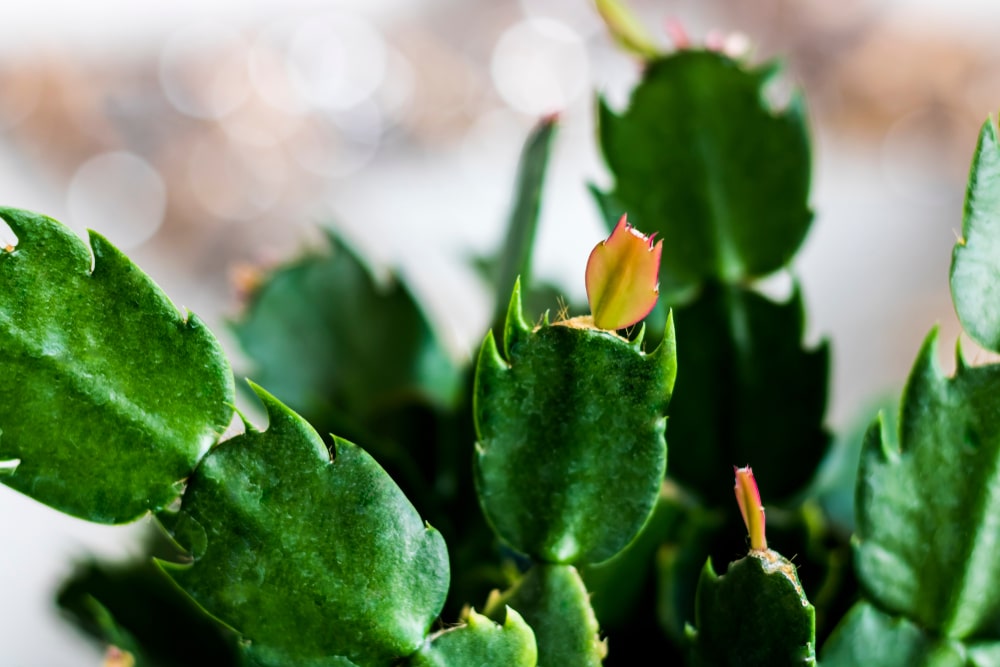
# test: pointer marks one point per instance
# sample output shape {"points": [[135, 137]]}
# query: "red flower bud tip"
{"points": [[748, 498], [621, 277]]}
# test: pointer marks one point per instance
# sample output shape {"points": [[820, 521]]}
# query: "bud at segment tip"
{"points": [[622, 274], [748, 498]]}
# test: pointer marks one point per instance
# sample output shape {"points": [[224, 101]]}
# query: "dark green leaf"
{"points": [[975, 264], [755, 614], [700, 158], [928, 542], [870, 638], [325, 337], [481, 643], [555, 603], [748, 393], [571, 448], [307, 557], [134, 606], [109, 396], [515, 260]]}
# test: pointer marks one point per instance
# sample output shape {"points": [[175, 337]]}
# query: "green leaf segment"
{"points": [[756, 615], [555, 603], [481, 643], [975, 267], [927, 535], [926, 545], [109, 395], [701, 159], [308, 556], [571, 437]]}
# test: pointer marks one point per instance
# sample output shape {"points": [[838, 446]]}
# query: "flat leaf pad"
{"points": [[108, 395]]}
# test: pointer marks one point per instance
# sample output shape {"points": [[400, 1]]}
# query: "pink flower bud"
{"points": [[622, 275], [748, 498]]}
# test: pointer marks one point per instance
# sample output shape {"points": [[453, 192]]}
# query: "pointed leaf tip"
{"points": [[515, 326], [621, 277]]}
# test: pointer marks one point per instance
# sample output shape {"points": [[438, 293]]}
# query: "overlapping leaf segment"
{"points": [[704, 160], [112, 404], [928, 498]]}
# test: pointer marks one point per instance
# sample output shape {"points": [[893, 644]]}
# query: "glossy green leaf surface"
{"points": [[927, 543], [109, 396], [754, 615], [555, 603], [325, 337], [571, 445], [481, 643], [749, 392], [307, 557], [701, 158], [869, 637], [975, 267]]}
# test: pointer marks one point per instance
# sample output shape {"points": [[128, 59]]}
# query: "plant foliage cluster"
{"points": [[521, 511]]}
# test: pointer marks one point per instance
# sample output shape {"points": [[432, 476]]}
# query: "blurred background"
{"points": [[207, 139]]}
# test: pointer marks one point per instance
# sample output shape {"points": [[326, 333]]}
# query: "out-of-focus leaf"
{"points": [[109, 396], [308, 558], [627, 30], [481, 643], [554, 602], [748, 392], [571, 449], [869, 637], [324, 337], [701, 158], [927, 544], [755, 615], [515, 258], [836, 479], [135, 607], [975, 264]]}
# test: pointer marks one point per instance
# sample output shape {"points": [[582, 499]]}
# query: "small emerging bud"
{"points": [[748, 498], [622, 275]]}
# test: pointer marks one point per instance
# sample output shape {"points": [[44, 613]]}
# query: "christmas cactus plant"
{"points": [[400, 509]]}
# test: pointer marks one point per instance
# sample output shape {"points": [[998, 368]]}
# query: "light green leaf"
{"points": [[869, 637], [571, 449], [555, 603], [109, 396], [481, 643], [755, 615], [701, 158], [306, 556], [975, 263], [927, 544]]}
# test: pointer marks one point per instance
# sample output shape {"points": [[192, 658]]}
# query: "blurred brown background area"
{"points": [[207, 140]]}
